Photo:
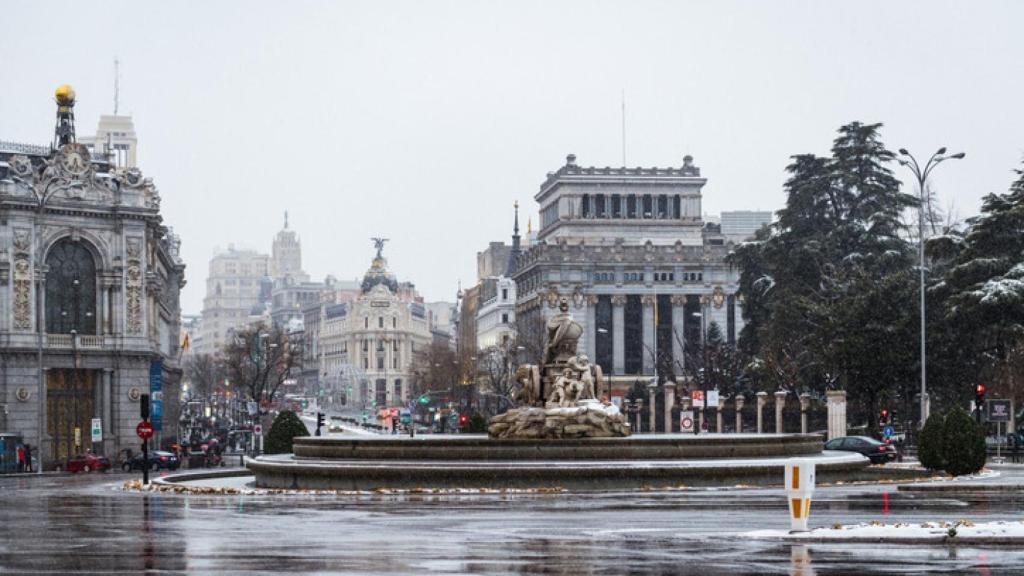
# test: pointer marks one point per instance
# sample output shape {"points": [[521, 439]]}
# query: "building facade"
{"points": [[237, 282], [367, 344], [629, 251], [740, 225], [89, 285]]}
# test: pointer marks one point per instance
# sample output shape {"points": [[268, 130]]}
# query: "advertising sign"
{"points": [[697, 398], [97, 430], [156, 393], [712, 398]]}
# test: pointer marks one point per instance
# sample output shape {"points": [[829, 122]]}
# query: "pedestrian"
{"points": [[28, 458], [1014, 440], [21, 458]]}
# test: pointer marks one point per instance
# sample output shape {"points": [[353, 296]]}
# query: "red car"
{"points": [[88, 462]]}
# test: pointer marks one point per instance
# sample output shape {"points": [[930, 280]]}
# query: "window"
{"points": [[398, 390], [616, 206], [504, 318], [366, 322], [366, 345], [648, 206], [70, 289], [380, 362], [586, 206], [394, 322], [504, 294], [380, 345], [394, 346], [366, 363], [630, 206]]}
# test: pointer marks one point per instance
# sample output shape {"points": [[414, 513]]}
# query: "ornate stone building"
{"points": [[628, 248], [366, 345], [89, 286]]}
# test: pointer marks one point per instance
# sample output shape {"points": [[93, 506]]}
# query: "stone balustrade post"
{"points": [[805, 404], [739, 412], [780, 403], [836, 402], [652, 419], [718, 413], [670, 401], [762, 399]]}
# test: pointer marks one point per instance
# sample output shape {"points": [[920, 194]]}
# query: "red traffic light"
{"points": [[885, 413], [463, 419], [979, 389]]}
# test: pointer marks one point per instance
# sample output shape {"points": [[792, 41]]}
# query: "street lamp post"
{"points": [[921, 175], [705, 301]]}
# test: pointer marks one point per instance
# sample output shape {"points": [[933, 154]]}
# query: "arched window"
{"points": [[70, 289]]}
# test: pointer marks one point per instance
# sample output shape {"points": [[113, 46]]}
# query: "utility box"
{"points": [[799, 481]]}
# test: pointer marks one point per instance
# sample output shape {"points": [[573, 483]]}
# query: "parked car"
{"points": [[88, 463], [158, 460], [877, 452]]}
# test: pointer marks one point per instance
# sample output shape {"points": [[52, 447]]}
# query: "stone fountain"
{"points": [[560, 396]]}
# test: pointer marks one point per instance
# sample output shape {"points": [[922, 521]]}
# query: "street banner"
{"points": [[156, 393], [686, 421], [97, 430], [998, 410], [712, 398]]}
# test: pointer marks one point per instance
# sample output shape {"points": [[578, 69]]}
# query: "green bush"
{"points": [[930, 447], [285, 427], [477, 424], [963, 443]]}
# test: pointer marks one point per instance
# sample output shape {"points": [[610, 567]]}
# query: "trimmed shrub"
{"points": [[477, 424], [930, 447], [963, 443], [285, 427]]}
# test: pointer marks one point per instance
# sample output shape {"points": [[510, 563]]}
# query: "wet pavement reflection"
{"points": [[84, 524]]}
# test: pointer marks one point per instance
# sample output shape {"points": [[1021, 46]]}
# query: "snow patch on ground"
{"points": [[940, 532]]}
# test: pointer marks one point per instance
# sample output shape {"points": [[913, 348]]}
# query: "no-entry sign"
{"points": [[144, 430]]}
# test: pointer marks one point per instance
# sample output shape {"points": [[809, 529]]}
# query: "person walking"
{"points": [[28, 458], [21, 458]]}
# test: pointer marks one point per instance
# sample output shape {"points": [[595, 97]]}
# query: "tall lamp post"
{"points": [[705, 301], [921, 174]]}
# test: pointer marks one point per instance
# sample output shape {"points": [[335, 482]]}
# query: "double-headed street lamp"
{"points": [[921, 174]]}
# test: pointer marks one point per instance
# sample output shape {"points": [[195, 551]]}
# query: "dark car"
{"points": [[88, 463], [158, 460], [877, 452]]}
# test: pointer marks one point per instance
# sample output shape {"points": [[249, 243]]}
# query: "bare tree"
{"points": [[259, 359], [204, 373], [434, 369]]}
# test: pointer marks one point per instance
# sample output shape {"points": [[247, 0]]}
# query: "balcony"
{"points": [[67, 341]]}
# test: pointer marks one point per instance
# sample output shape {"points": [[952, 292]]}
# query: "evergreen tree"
{"points": [[963, 443], [930, 445], [282, 433]]}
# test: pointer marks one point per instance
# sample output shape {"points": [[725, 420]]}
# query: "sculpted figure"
{"points": [[558, 388], [581, 364], [563, 334]]}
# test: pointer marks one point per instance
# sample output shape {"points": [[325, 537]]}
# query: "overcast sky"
{"points": [[424, 121]]}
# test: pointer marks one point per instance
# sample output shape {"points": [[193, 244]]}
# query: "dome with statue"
{"points": [[378, 273]]}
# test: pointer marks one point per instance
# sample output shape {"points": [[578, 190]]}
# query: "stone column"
{"points": [[648, 332], [670, 401], [652, 390], [836, 402], [109, 431], [762, 399], [739, 413], [590, 330], [700, 418], [805, 404], [678, 330], [618, 335], [718, 413], [780, 403]]}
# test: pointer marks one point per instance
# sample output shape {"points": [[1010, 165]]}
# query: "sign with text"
{"points": [[97, 430], [686, 421], [144, 430], [156, 393], [712, 398], [697, 398], [999, 410]]}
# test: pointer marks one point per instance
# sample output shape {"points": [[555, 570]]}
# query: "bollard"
{"points": [[799, 489]]}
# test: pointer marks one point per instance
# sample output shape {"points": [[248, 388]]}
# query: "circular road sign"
{"points": [[687, 423], [144, 430]]}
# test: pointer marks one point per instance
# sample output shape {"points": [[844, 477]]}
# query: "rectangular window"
{"points": [[586, 206], [648, 206], [380, 362], [504, 318], [633, 335], [676, 204], [603, 333], [382, 392], [616, 206], [398, 390], [662, 207], [630, 206], [504, 294], [380, 321], [602, 210], [366, 345]]}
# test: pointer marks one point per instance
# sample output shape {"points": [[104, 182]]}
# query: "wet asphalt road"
{"points": [[83, 524]]}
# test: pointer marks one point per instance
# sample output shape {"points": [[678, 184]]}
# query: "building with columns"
{"points": [[89, 285], [366, 345], [629, 250]]}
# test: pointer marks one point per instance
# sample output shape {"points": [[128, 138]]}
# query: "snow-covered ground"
{"points": [[923, 533], [346, 429]]}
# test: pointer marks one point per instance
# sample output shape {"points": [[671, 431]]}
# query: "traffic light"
{"points": [[144, 406], [462, 420], [979, 394], [319, 422], [425, 399], [884, 416]]}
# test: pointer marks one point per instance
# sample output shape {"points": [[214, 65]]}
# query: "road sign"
{"points": [[257, 429], [97, 430], [144, 430], [712, 398], [686, 421], [998, 410], [888, 431], [78, 436]]}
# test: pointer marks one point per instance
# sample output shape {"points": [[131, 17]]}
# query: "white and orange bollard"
{"points": [[799, 489]]}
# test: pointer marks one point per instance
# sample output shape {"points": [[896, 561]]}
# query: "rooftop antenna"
{"points": [[623, 127], [117, 83]]}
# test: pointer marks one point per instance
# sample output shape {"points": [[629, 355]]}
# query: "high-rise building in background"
{"points": [[237, 283], [115, 140], [89, 311], [740, 225]]}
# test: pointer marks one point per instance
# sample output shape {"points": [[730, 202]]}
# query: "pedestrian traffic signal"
{"points": [[144, 406], [319, 422], [425, 399]]}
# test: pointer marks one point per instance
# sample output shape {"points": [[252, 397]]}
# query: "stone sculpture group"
{"points": [[560, 397]]}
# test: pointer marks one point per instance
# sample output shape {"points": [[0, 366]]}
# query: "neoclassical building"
{"points": [[627, 247], [367, 344], [89, 286]]}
